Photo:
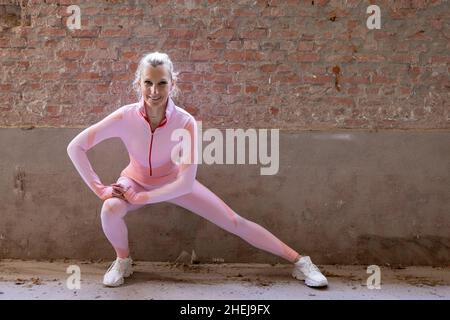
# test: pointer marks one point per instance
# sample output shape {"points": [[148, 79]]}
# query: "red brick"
{"points": [[364, 57], [353, 90], [382, 79], [255, 34], [116, 33], [440, 59], [122, 76], [220, 67], [215, 45], [5, 87], [305, 46], [185, 86], [4, 43], [129, 55], [251, 89], [181, 34], [287, 78], [88, 76], [403, 58], [205, 55], [71, 55], [102, 88], [222, 34], [234, 55], [86, 43], [304, 57], [268, 68], [240, 12], [97, 109], [52, 110], [318, 79], [219, 78], [50, 76], [236, 67], [346, 101], [133, 12], [84, 33], [355, 79], [253, 55], [273, 12], [53, 32], [191, 109], [219, 88], [234, 89], [274, 111], [189, 77]]}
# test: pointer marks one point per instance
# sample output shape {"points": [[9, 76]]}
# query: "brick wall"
{"points": [[294, 65]]}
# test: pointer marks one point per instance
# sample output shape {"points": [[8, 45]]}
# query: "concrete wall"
{"points": [[342, 197]]}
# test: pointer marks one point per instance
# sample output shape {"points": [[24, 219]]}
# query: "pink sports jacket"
{"points": [[151, 163]]}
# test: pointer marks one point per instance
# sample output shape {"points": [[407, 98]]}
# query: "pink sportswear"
{"points": [[149, 152], [153, 177]]}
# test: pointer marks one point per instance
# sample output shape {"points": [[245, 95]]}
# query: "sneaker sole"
{"points": [[121, 281], [298, 276], [129, 273], [312, 283], [117, 284], [308, 282]]}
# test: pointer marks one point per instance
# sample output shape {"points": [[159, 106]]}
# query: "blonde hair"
{"points": [[155, 59]]}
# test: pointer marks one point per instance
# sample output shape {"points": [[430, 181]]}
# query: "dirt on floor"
{"points": [[165, 281]]}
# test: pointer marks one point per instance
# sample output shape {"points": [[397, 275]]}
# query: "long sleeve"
{"points": [[109, 127], [186, 174]]}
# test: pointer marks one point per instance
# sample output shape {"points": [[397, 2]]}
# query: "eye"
{"points": [[147, 82], [163, 82]]}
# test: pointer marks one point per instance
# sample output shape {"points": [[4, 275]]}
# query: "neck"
{"points": [[155, 111]]}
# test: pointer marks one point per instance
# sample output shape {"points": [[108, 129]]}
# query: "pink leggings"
{"points": [[201, 201]]}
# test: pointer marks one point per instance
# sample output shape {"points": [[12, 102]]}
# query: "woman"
{"points": [[152, 176]]}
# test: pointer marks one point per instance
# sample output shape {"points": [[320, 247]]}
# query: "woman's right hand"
{"points": [[113, 191]]}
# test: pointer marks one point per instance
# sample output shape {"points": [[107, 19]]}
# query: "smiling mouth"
{"points": [[155, 99]]}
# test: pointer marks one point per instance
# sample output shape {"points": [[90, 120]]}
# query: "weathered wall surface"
{"points": [[282, 64], [364, 119], [341, 197]]}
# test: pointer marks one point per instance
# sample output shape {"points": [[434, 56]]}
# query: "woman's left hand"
{"points": [[134, 197], [129, 195]]}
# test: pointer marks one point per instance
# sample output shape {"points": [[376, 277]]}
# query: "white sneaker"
{"points": [[304, 269], [119, 269]]}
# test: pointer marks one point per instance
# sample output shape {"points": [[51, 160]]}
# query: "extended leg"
{"points": [[206, 204]]}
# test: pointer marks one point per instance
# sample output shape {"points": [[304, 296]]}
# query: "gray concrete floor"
{"points": [[167, 281]]}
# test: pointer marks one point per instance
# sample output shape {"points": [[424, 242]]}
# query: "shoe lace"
{"points": [[116, 264], [312, 267]]}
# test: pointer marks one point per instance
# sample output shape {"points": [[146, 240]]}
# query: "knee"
{"points": [[113, 208], [237, 223]]}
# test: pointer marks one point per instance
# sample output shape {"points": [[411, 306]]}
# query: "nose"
{"points": [[153, 89]]}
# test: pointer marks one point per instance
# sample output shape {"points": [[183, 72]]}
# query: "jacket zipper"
{"points": [[150, 152], [151, 143]]}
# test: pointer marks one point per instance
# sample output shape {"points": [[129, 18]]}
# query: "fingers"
{"points": [[119, 190], [118, 195]]}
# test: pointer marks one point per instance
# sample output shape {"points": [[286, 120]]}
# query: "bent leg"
{"points": [[206, 204], [112, 214]]}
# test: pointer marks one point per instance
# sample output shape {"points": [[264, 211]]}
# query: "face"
{"points": [[155, 85]]}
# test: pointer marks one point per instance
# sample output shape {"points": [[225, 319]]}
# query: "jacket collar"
{"points": [[170, 107]]}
